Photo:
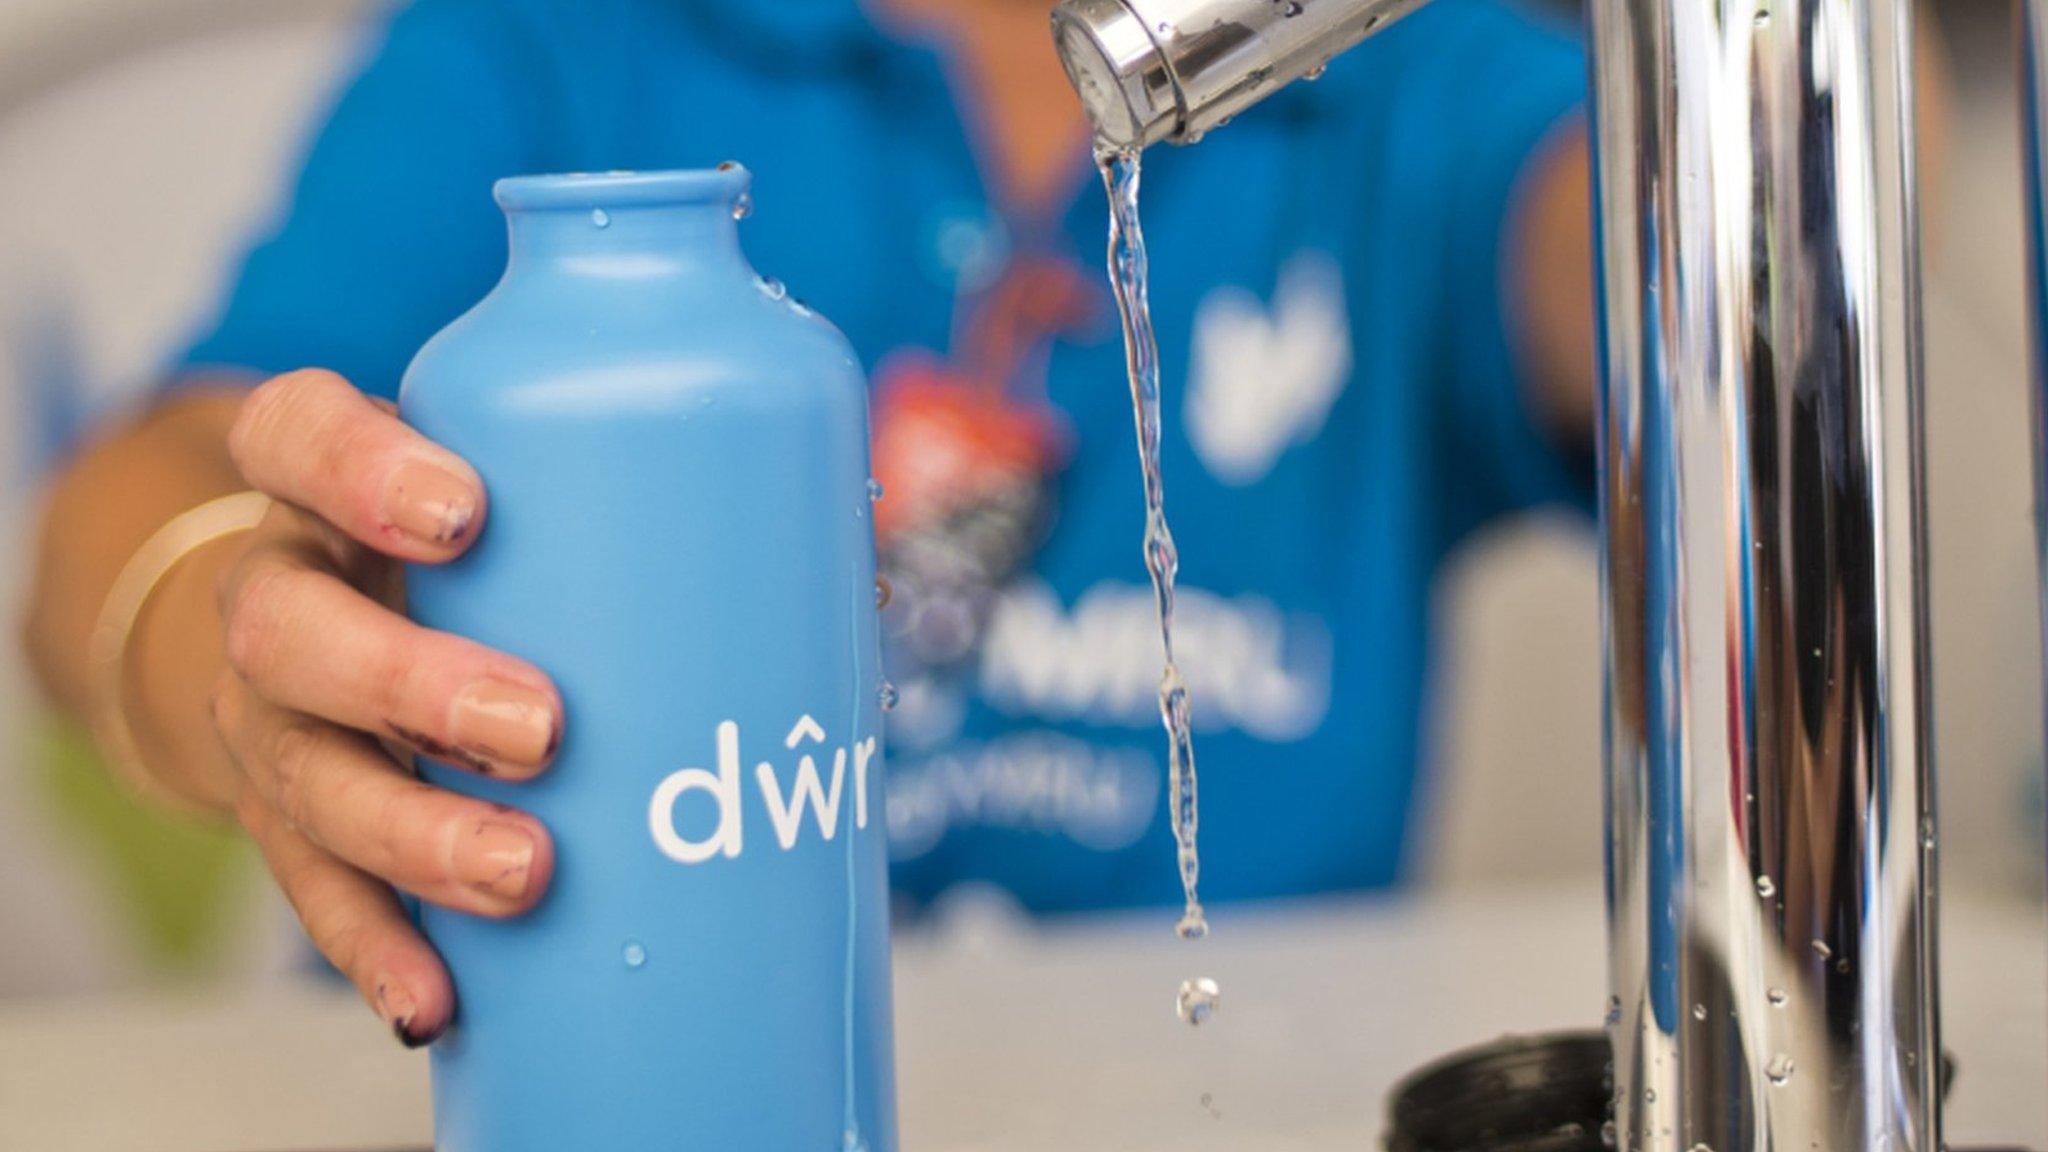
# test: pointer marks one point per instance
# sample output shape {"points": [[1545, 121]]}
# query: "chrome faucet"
{"points": [[1770, 791], [1153, 70]]}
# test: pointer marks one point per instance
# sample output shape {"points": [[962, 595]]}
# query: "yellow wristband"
{"points": [[108, 651]]}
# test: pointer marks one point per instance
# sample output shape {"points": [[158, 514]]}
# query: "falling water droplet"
{"points": [[854, 1143], [743, 206], [1779, 1070], [1776, 996], [772, 288], [1699, 1011], [1765, 888], [1193, 924], [634, 954], [1198, 1000], [601, 218], [890, 697]]}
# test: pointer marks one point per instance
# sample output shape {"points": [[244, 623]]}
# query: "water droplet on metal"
{"points": [[1765, 888], [1927, 831], [1779, 1070], [1699, 1011], [1821, 949], [1649, 1095], [1293, 9], [1198, 1000], [1776, 996], [1613, 1011], [1607, 1136]]}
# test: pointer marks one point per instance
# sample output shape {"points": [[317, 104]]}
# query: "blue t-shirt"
{"points": [[1341, 404]]}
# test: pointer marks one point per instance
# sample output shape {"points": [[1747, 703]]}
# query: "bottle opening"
{"points": [[725, 184]]}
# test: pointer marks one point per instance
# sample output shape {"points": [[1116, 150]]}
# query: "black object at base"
{"points": [[1520, 1094]]}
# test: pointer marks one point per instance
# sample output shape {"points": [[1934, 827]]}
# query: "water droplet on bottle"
{"points": [[890, 697], [743, 206], [1607, 1136], [601, 218], [1765, 888], [875, 490], [1776, 996], [635, 955], [1821, 949], [772, 288], [1779, 1070], [1699, 1011], [884, 592], [1198, 1000]]}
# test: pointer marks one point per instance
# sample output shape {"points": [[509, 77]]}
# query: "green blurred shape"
{"points": [[179, 886]]}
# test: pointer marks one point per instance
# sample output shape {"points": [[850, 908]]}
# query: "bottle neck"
{"points": [[627, 241]]}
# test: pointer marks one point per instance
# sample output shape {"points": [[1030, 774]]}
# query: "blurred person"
{"points": [[1375, 297]]}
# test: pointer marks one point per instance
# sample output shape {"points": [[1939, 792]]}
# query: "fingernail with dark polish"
{"points": [[396, 1006], [504, 723], [496, 859], [407, 1038], [429, 503]]}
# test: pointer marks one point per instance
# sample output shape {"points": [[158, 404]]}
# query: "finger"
{"points": [[359, 925], [306, 640], [311, 438], [339, 790]]}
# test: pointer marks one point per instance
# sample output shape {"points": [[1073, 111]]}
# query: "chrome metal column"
{"points": [[1770, 833], [2033, 32]]}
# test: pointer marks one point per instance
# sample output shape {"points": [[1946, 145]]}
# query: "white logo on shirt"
{"points": [[1264, 379], [1249, 667]]}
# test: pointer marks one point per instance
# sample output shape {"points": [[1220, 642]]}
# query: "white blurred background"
{"points": [[141, 140]]}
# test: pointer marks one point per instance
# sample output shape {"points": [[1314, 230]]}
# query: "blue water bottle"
{"points": [[680, 533]]}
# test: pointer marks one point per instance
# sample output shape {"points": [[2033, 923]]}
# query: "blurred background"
{"points": [[142, 140]]}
